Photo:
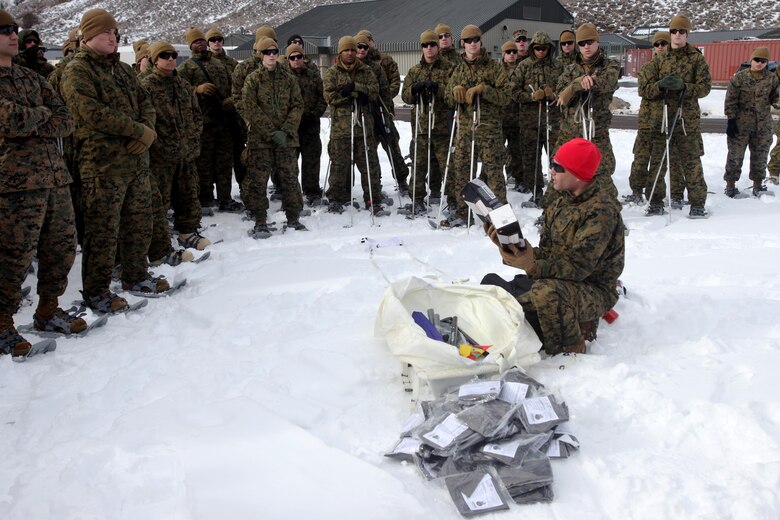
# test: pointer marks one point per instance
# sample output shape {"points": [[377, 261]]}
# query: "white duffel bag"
{"points": [[487, 313]]}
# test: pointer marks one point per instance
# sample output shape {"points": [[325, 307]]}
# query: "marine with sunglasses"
{"points": [[172, 158], [510, 122], [748, 106], [585, 90], [650, 143], [537, 79], [211, 80], [36, 214], [480, 87], [681, 73], [568, 46], [520, 36], [447, 49]]}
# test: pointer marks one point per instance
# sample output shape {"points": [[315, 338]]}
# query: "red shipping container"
{"points": [[724, 58]]}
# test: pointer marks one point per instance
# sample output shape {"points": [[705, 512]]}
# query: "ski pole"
{"points": [[472, 168], [368, 168], [417, 106], [455, 117], [538, 145], [428, 172], [352, 162]]}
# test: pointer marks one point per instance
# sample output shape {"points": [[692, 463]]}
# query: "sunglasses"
{"points": [[362, 46], [583, 43], [566, 43], [445, 35], [540, 49], [660, 43], [678, 31], [521, 39], [761, 60], [295, 57], [475, 39], [511, 51], [215, 39], [169, 55], [429, 44], [557, 167], [270, 52], [6, 30], [297, 41]]}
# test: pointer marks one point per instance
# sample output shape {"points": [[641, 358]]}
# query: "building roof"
{"points": [[720, 36], [621, 40], [395, 24]]}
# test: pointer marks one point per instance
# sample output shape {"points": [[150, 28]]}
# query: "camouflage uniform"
{"points": [[110, 108], [774, 155], [36, 214], [538, 74], [390, 143], [489, 145], [580, 256], [510, 125], [174, 179], [604, 72], [439, 72], [272, 101], [29, 57], [238, 126], [686, 146], [314, 105], [649, 146], [69, 152], [215, 163], [566, 59], [749, 100], [341, 108], [452, 55]]}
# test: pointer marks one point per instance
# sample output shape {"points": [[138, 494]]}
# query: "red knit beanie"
{"points": [[580, 157]]}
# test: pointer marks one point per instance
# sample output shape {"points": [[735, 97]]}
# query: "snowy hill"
{"points": [[147, 19], [259, 391]]}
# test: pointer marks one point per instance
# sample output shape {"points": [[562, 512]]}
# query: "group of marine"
{"points": [[97, 152]]}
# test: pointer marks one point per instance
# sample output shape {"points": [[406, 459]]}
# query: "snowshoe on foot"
{"points": [[313, 200], [60, 322], [453, 221], [377, 209], [634, 198], [173, 258], [231, 206], [679, 203], [260, 231], [435, 198], [336, 207], [105, 302], [732, 191], [194, 240], [154, 285], [11, 342], [759, 190], [698, 213], [655, 209], [297, 225]]}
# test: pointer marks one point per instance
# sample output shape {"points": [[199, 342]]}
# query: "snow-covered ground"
{"points": [[711, 106], [259, 391]]}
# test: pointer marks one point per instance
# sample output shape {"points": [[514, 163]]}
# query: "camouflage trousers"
{"points": [[514, 153], [261, 163], [392, 148], [603, 172], [215, 163], [649, 148], [492, 153], [69, 156], [238, 131], [117, 219], [340, 180], [438, 155], [759, 141], [35, 223], [685, 153], [532, 168], [774, 155], [173, 185], [310, 152]]}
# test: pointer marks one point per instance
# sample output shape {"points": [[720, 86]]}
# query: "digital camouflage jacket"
{"points": [[272, 101], [338, 76]]}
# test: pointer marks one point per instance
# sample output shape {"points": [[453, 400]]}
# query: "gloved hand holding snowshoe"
{"points": [[731, 128], [671, 82]]}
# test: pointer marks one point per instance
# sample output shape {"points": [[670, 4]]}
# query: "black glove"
{"points": [[731, 128], [347, 89], [417, 88], [671, 82], [432, 86], [362, 99]]}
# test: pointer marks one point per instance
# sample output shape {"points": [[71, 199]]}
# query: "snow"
{"points": [[259, 391], [711, 106]]}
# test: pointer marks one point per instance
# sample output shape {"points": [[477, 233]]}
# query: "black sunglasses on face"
{"points": [[6, 30], [214, 39], [557, 167], [583, 43], [295, 57], [761, 60], [678, 31], [168, 55], [475, 39], [445, 35], [566, 43], [660, 43], [511, 51], [270, 52], [362, 46], [540, 49], [521, 39], [429, 44]]}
